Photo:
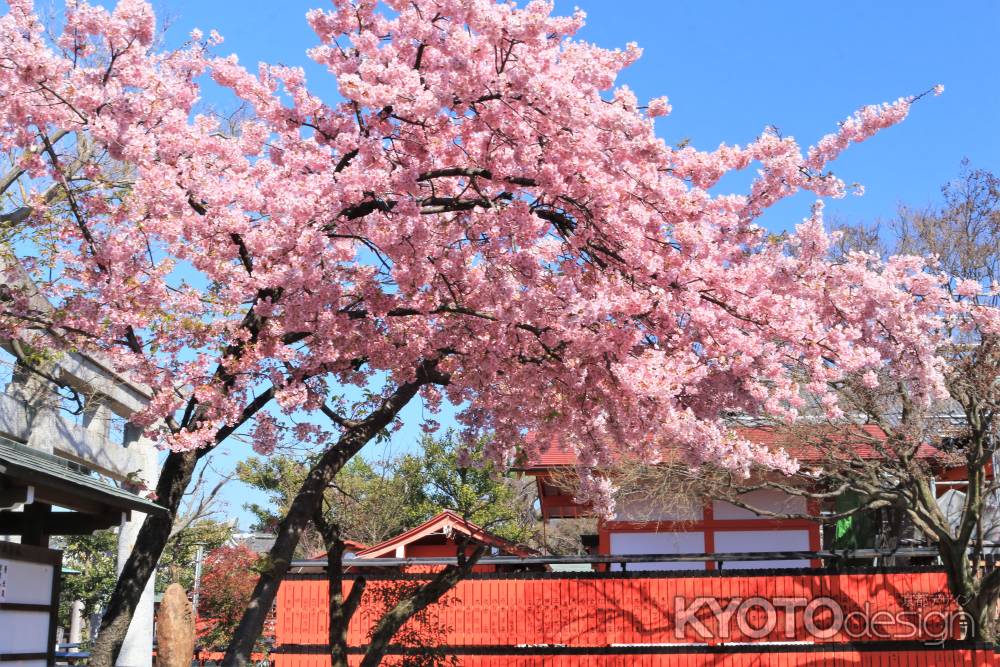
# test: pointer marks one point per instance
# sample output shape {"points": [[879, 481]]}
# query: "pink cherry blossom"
{"points": [[658, 107], [483, 194], [965, 287]]}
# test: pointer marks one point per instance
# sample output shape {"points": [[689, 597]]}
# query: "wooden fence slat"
{"points": [[598, 611]]}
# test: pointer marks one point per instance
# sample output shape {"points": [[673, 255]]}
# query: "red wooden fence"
{"points": [[614, 609], [826, 656]]}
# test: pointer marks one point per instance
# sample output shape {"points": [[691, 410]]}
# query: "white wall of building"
{"points": [[771, 500], [751, 541], [623, 544], [642, 511]]}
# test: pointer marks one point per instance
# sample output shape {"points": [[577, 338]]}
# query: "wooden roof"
{"points": [[39, 481], [443, 523]]}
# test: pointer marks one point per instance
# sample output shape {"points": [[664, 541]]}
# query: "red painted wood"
{"points": [[789, 658], [601, 612]]}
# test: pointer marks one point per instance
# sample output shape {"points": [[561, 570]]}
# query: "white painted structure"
{"points": [[26, 585], [714, 527], [634, 544]]}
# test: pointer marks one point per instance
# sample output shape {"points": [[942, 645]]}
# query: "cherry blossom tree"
{"points": [[481, 217], [947, 417], [916, 434]]}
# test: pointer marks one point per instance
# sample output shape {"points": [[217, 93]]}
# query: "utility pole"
{"points": [[199, 555]]}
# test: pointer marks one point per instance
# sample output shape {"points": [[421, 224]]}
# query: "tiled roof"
{"points": [[259, 543], [864, 446], [33, 467], [350, 546], [449, 519]]}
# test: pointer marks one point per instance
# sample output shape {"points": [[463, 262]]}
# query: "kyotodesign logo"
{"points": [[759, 618]]}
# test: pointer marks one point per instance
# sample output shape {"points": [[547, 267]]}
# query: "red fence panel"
{"points": [[822, 656], [623, 609]]}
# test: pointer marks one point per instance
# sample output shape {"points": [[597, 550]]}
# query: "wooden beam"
{"points": [[34, 524], [13, 495], [71, 500], [34, 521]]}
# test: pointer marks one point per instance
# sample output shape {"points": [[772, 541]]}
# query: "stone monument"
{"points": [[175, 629]]}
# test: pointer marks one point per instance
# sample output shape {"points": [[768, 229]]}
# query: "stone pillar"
{"points": [[75, 624], [137, 650]]}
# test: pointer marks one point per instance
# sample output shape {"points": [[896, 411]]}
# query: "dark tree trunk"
{"points": [[416, 602], [975, 595], [308, 501], [305, 504], [341, 610], [173, 482], [983, 619], [141, 564], [152, 538]]}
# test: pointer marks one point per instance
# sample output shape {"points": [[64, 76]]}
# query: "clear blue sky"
{"points": [[732, 67]]}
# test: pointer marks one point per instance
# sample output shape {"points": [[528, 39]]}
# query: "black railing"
{"points": [[833, 556]]}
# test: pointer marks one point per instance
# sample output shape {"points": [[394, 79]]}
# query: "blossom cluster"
{"points": [[481, 194]]}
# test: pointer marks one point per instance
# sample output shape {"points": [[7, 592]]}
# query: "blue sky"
{"points": [[732, 67]]}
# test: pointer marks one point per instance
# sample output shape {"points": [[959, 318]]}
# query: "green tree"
{"points": [[177, 564], [372, 501], [92, 559], [464, 481]]}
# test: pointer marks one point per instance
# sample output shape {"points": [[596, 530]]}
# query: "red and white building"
{"points": [[603, 616], [438, 537], [707, 526]]}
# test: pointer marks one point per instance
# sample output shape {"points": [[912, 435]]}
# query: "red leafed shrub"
{"points": [[228, 579]]}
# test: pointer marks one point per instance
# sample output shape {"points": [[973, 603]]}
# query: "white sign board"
{"points": [[29, 580], [24, 582]]}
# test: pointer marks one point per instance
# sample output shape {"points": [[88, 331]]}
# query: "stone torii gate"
{"points": [[30, 409]]}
